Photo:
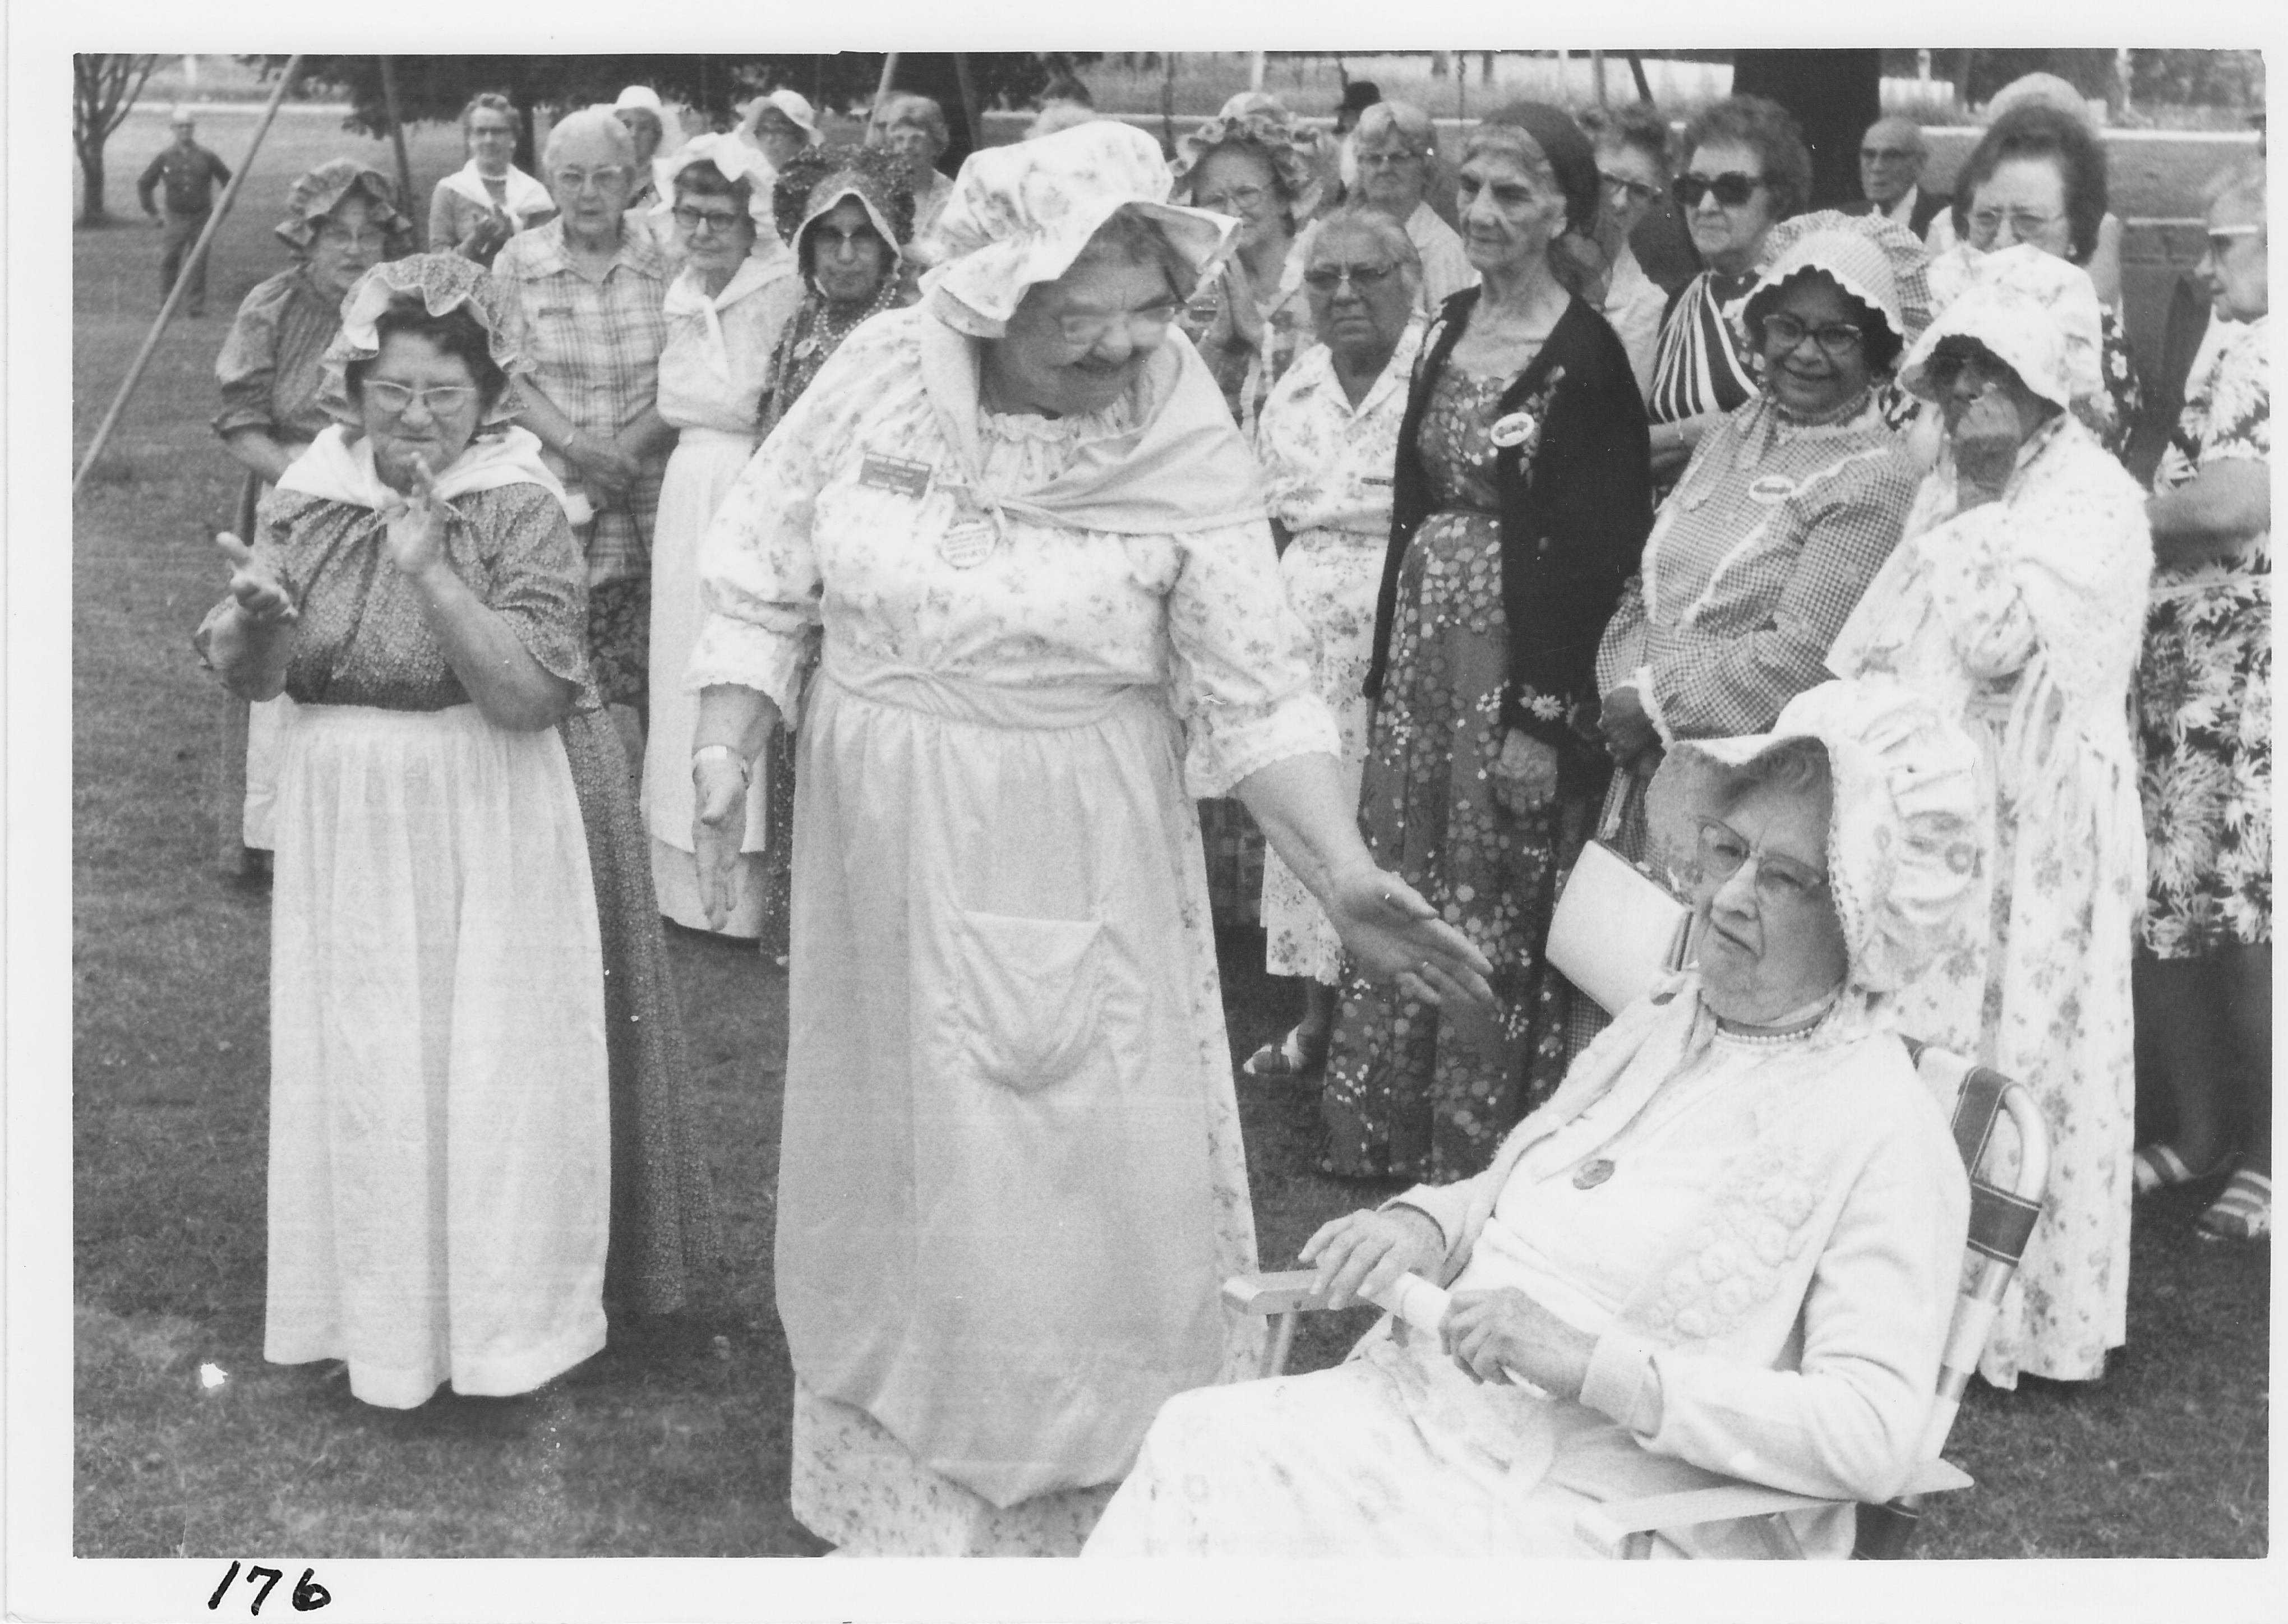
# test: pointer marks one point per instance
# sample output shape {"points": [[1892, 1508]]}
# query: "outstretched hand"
{"points": [[1395, 934], [261, 597]]}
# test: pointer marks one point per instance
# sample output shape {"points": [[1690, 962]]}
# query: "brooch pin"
{"points": [[805, 349], [1515, 429]]}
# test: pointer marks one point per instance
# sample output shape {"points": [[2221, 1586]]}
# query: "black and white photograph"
{"points": [[1348, 818]]}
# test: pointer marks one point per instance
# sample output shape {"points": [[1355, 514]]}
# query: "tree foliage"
{"points": [[104, 88]]}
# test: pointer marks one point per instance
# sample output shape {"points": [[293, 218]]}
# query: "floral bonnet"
{"points": [[1021, 214], [2037, 314]]}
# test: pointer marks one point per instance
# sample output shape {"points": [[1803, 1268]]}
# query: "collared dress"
{"points": [[1011, 1179], [1766, 1269], [713, 374], [2021, 619], [595, 347], [268, 371], [1327, 474], [2205, 689]]}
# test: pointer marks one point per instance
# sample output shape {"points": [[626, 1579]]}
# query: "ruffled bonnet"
{"points": [[1253, 118], [818, 178], [442, 282], [1905, 839], [1019, 215], [315, 195], [2036, 312], [1870, 257]]}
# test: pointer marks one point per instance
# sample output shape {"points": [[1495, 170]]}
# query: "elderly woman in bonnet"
{"points": [[1011, 1179], [489, 200], [341, 219], [1327, 439], [726, 312], [1787, 510], [1727, 1245], [1745, 170], [846, 214], [2038, 177], [1520, 508], [439, 1129], [2015, 604]]}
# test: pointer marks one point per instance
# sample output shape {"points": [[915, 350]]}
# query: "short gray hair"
{"points": [[589, 121], [1374, 223], [2241, 182], [1404, 120], [906, 108]]}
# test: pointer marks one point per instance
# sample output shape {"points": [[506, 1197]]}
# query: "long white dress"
{"points": [[713, 373], [2021, 618], [1327, 468], [1011, 1177]]}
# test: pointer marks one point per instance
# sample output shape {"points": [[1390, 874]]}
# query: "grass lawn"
{"points": [[671, 1443]]}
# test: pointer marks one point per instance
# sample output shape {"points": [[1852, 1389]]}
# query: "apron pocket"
{"points": [[1031, 993]]}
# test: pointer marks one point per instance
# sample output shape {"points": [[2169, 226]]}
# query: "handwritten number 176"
{"points": [[308, 1596]]}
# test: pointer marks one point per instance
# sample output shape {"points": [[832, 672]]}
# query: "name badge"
{"points": [[968, 545], [901, 474], [1771, 487]]}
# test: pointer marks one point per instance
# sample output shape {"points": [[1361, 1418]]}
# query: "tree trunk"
{"points": [[91, 211]]}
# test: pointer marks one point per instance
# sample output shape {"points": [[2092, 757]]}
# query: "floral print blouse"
{"points": [[850, 517]]}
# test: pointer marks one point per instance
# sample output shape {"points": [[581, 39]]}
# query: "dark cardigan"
{"points": [[1573, 524]]}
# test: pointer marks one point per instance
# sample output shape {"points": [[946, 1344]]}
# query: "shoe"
{"points": [[2158, 1167], [1286, 1058], [2244, 1211]]}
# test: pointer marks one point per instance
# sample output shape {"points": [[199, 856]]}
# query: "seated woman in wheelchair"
{"points": [[1727, 1245]]}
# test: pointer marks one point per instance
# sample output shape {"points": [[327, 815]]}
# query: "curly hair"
{"points": [[874, 171], [1261, 126], [2038, 131], [455, 333], [488, 101], [1770, 132]]}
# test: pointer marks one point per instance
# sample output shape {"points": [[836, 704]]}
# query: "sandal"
{"points": [[1285, 1058], [2244, 1211], [2158, 1167]]}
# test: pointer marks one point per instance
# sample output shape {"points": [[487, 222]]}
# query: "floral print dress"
{"points": [[2205, 693], [2019, 618], [1403, 1097]]}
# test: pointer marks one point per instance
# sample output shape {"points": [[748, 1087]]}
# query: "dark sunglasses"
{"points": [[1732, 190]]}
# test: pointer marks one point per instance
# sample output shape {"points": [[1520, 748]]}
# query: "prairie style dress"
{"points": [[1327, 472], [2204, 692], [713, 373], [1011, 1179], [2020, 619], [440, 1128]]}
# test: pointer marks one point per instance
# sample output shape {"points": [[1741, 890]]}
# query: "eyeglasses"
{"points": [[370, 241], [1732, 189], [1237, 200], [1622, 187], [710, 219], [1386, 160], [2222, 237], [2025, 225], [1946, 367], [1887, 154], [1148, 325], [1781, 883], [441, 399], [1836, 339], [604, 180], [1362, 278]]}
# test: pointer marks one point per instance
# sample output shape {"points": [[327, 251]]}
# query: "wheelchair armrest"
{"points": [[1611, 1526], [1281, 1291]]}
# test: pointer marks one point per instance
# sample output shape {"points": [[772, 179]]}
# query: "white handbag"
{"points": [[1617, 925]]}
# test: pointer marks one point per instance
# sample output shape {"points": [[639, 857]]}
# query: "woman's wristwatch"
{"points": [[706, 752]]}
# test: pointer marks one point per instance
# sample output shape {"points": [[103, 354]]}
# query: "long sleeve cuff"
{"points": [[1622, 1382], [740, 654], [1228, 743]]}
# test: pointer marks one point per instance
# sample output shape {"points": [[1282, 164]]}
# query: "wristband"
{"points": [[705, 751]]}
